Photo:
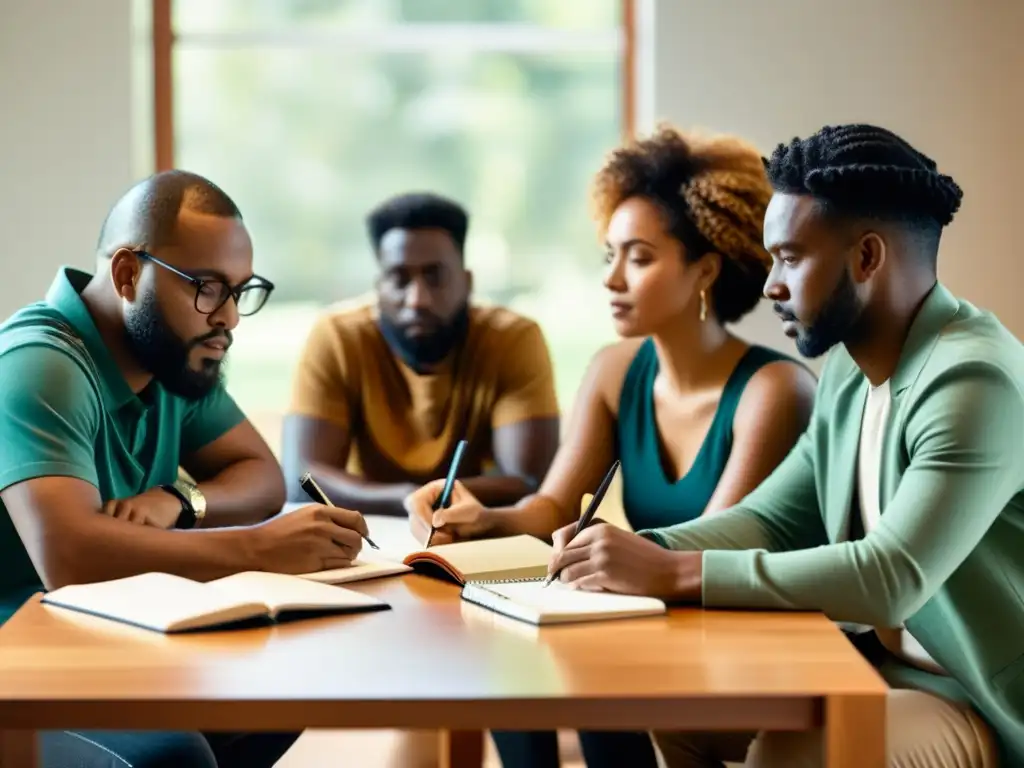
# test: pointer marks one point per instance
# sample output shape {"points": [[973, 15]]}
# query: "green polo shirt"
{"points": [[65, 409]]}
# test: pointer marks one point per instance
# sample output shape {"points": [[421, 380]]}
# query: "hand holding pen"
{"points": [[588, 514], [444, 499], [314, 492]]}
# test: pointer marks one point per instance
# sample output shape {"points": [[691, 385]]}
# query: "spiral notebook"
{"points": [[530, 601]]}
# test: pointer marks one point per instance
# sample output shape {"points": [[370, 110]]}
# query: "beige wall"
{"points": [[65, 134], [948, 75]]}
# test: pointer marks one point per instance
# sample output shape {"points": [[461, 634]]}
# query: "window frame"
{"points": [[163, 43]]}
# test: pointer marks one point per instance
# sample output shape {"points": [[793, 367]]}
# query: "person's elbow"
{"points": [[901, 606], [535, 453], [293, 491], [276, 491], [901, 587], [292, 479], [529, 482], [60, 558], [532, 484], [306, 445], [292, 466], [890, 613], [265, 473]]}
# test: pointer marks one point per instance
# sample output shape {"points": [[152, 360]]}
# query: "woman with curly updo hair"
{"points": [[697, 417]]}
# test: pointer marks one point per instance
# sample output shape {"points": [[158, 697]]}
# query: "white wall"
{"points": [[947, 75], [65, 135]]}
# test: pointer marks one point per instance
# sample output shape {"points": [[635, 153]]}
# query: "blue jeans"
{"points": [[161, 749], [601, 749]]}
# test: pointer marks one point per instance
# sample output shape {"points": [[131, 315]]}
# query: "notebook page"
{"points": [[155, 600], [506, 557], [284, 592], [532, 601], [359, 570]]}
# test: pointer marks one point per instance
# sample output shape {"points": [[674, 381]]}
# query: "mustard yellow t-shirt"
{"points": [[404, 426]]}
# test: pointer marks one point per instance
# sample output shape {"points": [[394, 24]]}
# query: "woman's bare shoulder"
{"points": [[608, 367]]}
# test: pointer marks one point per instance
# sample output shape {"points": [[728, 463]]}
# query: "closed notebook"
{"points": [[167, 603], [509, 557], [532, 602]]}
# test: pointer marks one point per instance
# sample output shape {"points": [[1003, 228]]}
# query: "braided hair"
{"points": [[862, 171], [713, 193]]}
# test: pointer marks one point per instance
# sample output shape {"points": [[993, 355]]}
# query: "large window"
{"points": [[309, 112]]}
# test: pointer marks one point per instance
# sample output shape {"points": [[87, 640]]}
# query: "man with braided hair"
{"points": [[901, 510], [696, 416]]}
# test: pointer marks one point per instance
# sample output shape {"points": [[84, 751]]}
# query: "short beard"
{"points": [[164, 355], [838, 322], [423, 352]]}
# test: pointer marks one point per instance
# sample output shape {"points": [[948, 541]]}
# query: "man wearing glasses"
{"points": [[107, 387]]}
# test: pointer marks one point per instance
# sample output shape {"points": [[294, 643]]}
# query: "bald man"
{"points": [[107, 387]]}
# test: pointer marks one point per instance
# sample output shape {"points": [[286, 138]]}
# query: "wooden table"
{"points": [[437, 662]]}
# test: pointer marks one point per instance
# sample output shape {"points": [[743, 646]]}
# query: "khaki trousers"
{"points": [[922, 731]]}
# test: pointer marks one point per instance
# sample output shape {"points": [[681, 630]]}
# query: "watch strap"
{"points": [[187, 518]]}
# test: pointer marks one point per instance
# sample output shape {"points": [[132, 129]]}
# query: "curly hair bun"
{"points": [[713, 191]]}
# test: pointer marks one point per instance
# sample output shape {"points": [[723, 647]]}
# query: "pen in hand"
{"points": [[313, 491], [445, 498], [588, 514]]}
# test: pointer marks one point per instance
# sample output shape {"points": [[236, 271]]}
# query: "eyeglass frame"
{"points": [[233, 292]]}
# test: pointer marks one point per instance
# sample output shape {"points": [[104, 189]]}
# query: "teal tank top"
{"points": [[650, 498]]}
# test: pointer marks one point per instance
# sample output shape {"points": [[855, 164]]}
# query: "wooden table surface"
{"points": [[434, 661]]}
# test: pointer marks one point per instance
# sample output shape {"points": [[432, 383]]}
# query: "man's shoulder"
{"points": [[976, 336], [45, 369], [973, 361], [341, 338], [348, 319], [973, 346], [500, 325], [40, 335], [972, 337], [342, 331]]}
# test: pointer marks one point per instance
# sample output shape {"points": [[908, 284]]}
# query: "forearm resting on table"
{"points": [[730, 529], [247, 492], [498, 490], [374, 498], [99, 548], [346, 490], [534, 515]]}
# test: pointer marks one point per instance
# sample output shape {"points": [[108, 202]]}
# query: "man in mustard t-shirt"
{"points": [[385, 390]]}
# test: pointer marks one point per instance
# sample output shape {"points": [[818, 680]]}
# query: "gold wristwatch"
{"points": [[193, 503]]}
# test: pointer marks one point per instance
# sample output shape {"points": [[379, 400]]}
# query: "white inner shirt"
{"points": [[869, 460]]}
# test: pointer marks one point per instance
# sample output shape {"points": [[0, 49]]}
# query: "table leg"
{"points": [[462, 749], [855, 731], [18, 749]]}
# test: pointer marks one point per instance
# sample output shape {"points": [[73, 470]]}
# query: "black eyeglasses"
{"points": [[212, 294]]}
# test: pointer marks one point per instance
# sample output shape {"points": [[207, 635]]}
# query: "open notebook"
{"points": [[530, 601], [168, 603], [508, 557], [361, 569]]}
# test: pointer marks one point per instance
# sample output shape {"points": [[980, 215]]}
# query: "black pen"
{"points": [[445, 498], [313, 491], [590, 511]]}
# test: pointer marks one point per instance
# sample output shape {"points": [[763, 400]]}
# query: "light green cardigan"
{"points": [[946, 558]]}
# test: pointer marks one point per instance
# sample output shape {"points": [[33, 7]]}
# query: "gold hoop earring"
{"points": [[703, 305]]}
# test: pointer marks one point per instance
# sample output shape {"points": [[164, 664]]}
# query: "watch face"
{"points": [[198, 502], [195, 497]]}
